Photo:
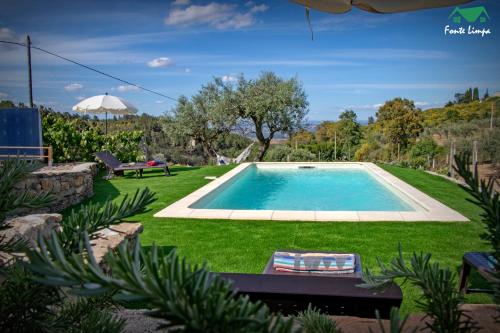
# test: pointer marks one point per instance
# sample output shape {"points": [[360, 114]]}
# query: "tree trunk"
{"points": [[263, 147], [207, 150]]}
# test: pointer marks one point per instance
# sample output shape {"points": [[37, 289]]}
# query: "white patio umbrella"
{"points": [[376, 6], [104, 104]]}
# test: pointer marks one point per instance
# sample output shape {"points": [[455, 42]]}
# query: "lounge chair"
{"points": [[116, 167]]}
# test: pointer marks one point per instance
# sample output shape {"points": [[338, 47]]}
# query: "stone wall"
{"points": [[69, 183]]}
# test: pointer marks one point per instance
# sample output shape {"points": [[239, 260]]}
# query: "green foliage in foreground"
{"points": [[440, 298], [313, 321], [489, 200], [95, 216], [12, 171], [188, 297], [26, 307]]}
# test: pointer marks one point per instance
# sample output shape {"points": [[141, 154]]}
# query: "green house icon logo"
{"points": [[470, 15]]}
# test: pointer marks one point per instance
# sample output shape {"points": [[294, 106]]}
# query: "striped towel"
{"points": [[314, 262]]}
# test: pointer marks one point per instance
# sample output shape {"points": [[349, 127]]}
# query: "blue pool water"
{"points": [[346, 189]]}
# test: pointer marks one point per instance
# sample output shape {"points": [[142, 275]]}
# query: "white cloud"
{"points": [[3, 95], [126, 88], [229, 78], [421, 103], [218, 15], [187, 70], [160, 62], [159, 102], [80, 98], [181, 2], [73, 87], [259, 8], [11, 36], [7, 34]]}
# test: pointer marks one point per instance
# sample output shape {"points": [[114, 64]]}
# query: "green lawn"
{"points": [[245, 246]]}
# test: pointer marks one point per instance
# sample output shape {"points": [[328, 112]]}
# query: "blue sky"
{"points": [[357, 60]]}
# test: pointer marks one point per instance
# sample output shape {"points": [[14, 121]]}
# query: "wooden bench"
{"points": [[333, 294]]}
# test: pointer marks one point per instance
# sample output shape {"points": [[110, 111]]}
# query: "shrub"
{"points": [[124, 145], [422, 152], [313, 321], [278, 153], [283, 153], [363, 152], [75, 139]]}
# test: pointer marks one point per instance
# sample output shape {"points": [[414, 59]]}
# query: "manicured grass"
{"points": [[245, 246]]}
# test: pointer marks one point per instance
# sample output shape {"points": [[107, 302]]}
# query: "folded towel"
{"points": [[314, 262]]}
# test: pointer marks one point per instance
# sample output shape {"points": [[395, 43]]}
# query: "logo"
{"points": [[468, 16]]}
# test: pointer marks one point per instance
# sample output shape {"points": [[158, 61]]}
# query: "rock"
{"points": [[28, 227], [78, 180], [70, 183], [46, 184], [110, 238]]}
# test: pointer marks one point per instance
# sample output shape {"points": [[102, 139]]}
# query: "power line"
{"points": [[92, 69]]}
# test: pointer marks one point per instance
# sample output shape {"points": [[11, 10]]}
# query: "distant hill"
{"points": [[462, 111]]}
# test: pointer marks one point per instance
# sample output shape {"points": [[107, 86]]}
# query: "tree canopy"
{"points": [[205, 117], [272, 104], [400, 120]]}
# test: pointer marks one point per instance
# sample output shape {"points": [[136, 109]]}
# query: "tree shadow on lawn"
{"points": [[159, 172], [103, 190], [183, 168], [148, 173]]}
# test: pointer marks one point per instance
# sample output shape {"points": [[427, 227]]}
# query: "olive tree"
{"points": [[272, 104], [205, 117]]}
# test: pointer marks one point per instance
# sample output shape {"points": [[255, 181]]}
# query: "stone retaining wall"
{"points": [[69, 183]]}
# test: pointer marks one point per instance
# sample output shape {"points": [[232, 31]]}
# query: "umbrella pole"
{"points": [[106, 123]]}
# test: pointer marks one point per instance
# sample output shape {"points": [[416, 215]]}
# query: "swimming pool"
{"points": [[307, 188], [311, 192]]}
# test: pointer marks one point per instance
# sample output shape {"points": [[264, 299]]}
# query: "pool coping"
{"points": [[432, 209]]}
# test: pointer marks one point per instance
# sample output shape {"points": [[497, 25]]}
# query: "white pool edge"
{"points": [[432, 210]]}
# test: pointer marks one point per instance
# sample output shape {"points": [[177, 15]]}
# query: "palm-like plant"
{"points": [[189, 298], [488, 199], [13, 171]]}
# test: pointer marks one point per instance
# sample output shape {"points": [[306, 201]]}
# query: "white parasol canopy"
{"points": [[376, 6], [104, 104]]}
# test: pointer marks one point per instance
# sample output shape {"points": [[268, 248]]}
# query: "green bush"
{"points": [[124, 145], [73, 139], [284, 153], [278, 153], [422, 152]]}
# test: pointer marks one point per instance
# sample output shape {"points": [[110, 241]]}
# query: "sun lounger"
{"points": [[116, 167]]}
